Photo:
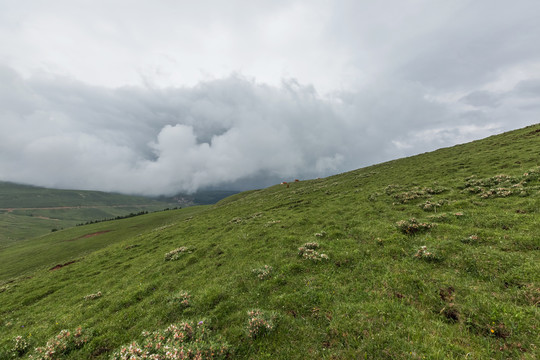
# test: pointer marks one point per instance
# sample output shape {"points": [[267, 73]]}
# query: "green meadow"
{"points": [[435, 256], [30, 211]]}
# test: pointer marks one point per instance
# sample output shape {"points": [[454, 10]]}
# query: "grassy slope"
{"points": [[17, 224], [22, 196], [477, 297], [26, 256]]}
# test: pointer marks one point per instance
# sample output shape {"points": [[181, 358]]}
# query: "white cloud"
{"points": [[173, 96]]}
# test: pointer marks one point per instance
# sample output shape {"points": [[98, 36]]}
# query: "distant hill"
{"points": [[26, 196], [28, 211], [434, 256]]}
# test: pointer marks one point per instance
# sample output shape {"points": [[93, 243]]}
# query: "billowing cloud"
{"points": [[175, 96], [62, 133], [169, 140]]}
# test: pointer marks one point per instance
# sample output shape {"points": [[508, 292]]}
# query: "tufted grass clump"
{"points": [[413, 193], [440, 217], [183, 341], [259, 323], [308, 252], [497, 180], [413, 226], [432, 205], [263, 273], [424, 254], [93, 296], [472, 239], [176, 253], [20, 346], [502, 185], [498, 192], [311, 245], [182, 299], [62, 344]]}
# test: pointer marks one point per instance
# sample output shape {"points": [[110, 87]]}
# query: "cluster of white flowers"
{"points": [[307, 251], [264, 272], [93, 296], [175, 254]]}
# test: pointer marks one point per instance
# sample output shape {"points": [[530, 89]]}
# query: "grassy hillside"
{"points": [[60, 247], [29, 211], [435, 256], [26, 196]]}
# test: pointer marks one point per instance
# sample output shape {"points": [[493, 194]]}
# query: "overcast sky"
{"points": [[163, 96]]}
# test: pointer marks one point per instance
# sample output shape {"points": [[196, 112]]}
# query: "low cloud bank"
{"points": [[230, 133]]}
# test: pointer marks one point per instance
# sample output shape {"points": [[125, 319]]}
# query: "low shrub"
{"points": [[470, 240], [62, 344], [307, 251], [176, 253], [415, 193], [182, 299], [183, 341], [311, 245], [424, 254], [93, 296], [263, 273], [502, 185], [412, 226], [432, 206], [259, 324], [441, 217], [272, 222], [20, 346]]}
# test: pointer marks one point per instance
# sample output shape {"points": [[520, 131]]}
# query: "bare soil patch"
{"points": [[94, 234], [59, 266], [45, 218], [89, 235]]}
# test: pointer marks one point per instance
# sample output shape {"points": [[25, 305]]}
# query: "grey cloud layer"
{"points": [[58, 132], [62, 133], [137, 97]]}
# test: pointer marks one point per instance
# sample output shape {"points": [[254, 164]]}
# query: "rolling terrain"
{"points": [[435, 256], [29, 211]]}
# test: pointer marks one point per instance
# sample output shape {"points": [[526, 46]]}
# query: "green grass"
{"points": [[473, 293], [29, 211], [24, 257], [26, 196]]}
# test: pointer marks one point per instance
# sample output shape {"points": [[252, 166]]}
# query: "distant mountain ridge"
{"points": [[28, 211], [13, 195]]}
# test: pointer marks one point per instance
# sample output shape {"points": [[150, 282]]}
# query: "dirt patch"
{"points": [[59, 266], [94, 234], [45, 218], [89, 235]]}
